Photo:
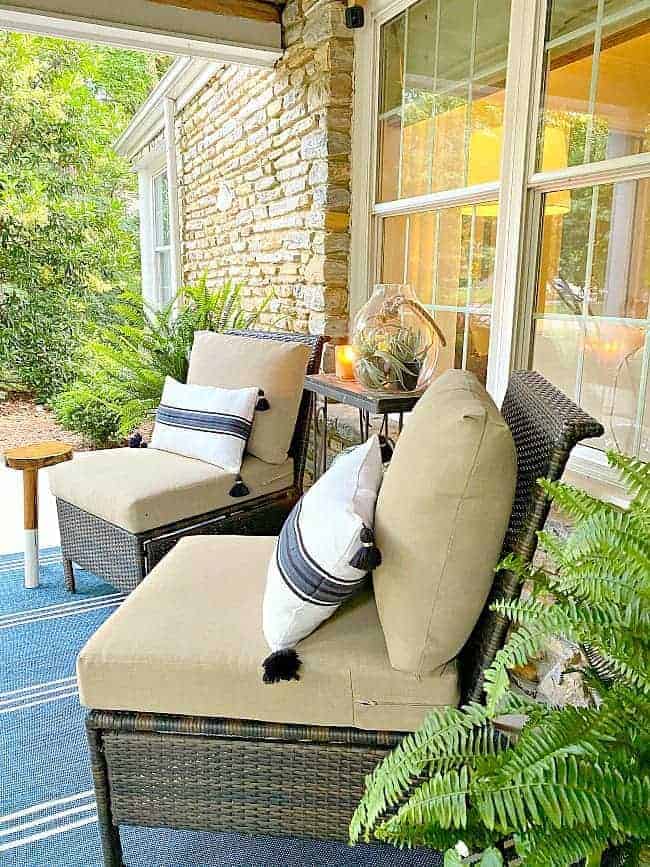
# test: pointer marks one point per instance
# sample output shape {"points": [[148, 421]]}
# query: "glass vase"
{"points": [[397, 342]]}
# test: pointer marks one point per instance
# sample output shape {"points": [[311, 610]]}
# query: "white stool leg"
{"points": [[30, 500], [31, 558]]}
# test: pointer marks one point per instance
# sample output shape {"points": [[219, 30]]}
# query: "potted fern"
{"points": [[574, 787]]}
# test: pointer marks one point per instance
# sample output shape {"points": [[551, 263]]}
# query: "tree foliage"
{"points": [[68, 231], [577, 779]]}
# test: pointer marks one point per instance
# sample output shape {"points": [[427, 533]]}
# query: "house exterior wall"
{"points": [[278, 143]]}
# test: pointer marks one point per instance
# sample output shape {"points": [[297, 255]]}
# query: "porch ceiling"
{"points": [[240, 31]]}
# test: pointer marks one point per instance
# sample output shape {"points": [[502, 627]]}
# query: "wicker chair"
{"points": [[255, 777], [123, 558]]}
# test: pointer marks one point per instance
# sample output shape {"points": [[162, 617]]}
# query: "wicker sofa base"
{"points": [[123, 559], [207, 774]]}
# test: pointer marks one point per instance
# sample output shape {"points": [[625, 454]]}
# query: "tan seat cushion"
{"points": [[139, 489], [441, 517], [189, 640], [231, 361]]}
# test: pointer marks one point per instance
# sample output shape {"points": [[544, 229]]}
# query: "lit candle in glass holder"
{"points": [[344, 358]]}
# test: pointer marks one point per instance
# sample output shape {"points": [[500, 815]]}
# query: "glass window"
{"points": [[442, 81], [592, 316], [447, 255], [596, 102], [163, 287]]}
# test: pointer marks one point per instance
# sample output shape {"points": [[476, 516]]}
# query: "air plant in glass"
{"points": [[397, 341]]}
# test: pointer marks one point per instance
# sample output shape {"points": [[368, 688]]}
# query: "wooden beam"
{"points": [[258, 10]]}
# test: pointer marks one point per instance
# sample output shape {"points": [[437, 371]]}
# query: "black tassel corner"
{"points": [[262, 403], [135, 440], [368, 557], [143, 444], [281, 665], [386, 448], [239, 489]]}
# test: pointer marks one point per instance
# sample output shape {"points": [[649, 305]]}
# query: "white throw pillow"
{"points": [[323, 555], [210, 424]]}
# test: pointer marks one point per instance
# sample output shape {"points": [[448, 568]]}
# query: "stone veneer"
{"points": [[279, 141]]}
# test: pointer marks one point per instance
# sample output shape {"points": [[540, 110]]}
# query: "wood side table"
{"points": [[352, 393], [30, 459]]}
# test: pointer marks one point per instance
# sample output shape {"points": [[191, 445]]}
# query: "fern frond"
{"points": [[447, 736], [636, 475], [564, 847], [573, 501], [440, 801]]}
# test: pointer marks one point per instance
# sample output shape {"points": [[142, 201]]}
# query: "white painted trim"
{"points": [[363, 171], [475, 195], [172, 186], [182, 81], [155, 164], [523, 78], [164, 29], [624, 168]]}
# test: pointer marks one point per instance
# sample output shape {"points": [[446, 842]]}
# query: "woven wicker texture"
{"points": [[545, 425], [124, 559], [258, 787]]}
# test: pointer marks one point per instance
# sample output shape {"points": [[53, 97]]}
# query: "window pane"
{"points": [[441, 96], [422, 254], [390, 107], [393, 243], [597, 88], [161, 210], [163, 275], [450, 264], [592, 311]]}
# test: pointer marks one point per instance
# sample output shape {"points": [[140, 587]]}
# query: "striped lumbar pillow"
{"points": [[323, 555], [209, 424]]}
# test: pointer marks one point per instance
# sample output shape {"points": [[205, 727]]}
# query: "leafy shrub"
{"points": [[577, 780], [39, 336], [81, 409], [127, 361]]}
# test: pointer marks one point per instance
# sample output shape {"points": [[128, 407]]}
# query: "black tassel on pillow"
{"points": [[135, 440], [386, 448], [262, 403], [239, 489], [281, 665], [368, 557]]}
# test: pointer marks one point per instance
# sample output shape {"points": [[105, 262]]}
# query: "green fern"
{"points": [[128, 360], [576, 780]]}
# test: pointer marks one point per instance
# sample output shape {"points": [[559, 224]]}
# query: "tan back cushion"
{"points": [[278, 367], [442, 513]]}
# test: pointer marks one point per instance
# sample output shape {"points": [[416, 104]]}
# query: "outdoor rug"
{"points": [[47, 806]]}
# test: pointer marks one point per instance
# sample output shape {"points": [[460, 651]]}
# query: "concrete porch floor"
{"points": [[11, 512]]}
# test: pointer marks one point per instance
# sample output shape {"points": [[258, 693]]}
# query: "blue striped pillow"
{"points": [[323, 555], [209, 424]]}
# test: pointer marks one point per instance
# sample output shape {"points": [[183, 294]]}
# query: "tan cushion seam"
{"points": [[451, 541]]}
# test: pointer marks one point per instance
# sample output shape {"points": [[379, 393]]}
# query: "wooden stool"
{"points": [[30, 459]]}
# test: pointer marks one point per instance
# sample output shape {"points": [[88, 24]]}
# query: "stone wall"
{"points": [[264, 175]]}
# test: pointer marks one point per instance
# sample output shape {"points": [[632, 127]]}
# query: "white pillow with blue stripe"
{"points": [[209, 424], [323, 555]]}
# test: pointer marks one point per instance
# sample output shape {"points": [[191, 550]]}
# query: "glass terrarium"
{"points": [[396, 340]]}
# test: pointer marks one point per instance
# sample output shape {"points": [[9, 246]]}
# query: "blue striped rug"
{"points": [[47, 806]]}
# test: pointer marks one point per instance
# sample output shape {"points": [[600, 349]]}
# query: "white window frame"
{"points": [[148, 168], [519, 192]]}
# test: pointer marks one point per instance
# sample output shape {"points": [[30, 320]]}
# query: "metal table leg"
{"points": [[324, 437]]}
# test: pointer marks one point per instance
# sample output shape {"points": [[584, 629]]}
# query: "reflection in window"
{"points": [[447, 256], [443, 66], [597, 82], [162, 243], [592, 316]]}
